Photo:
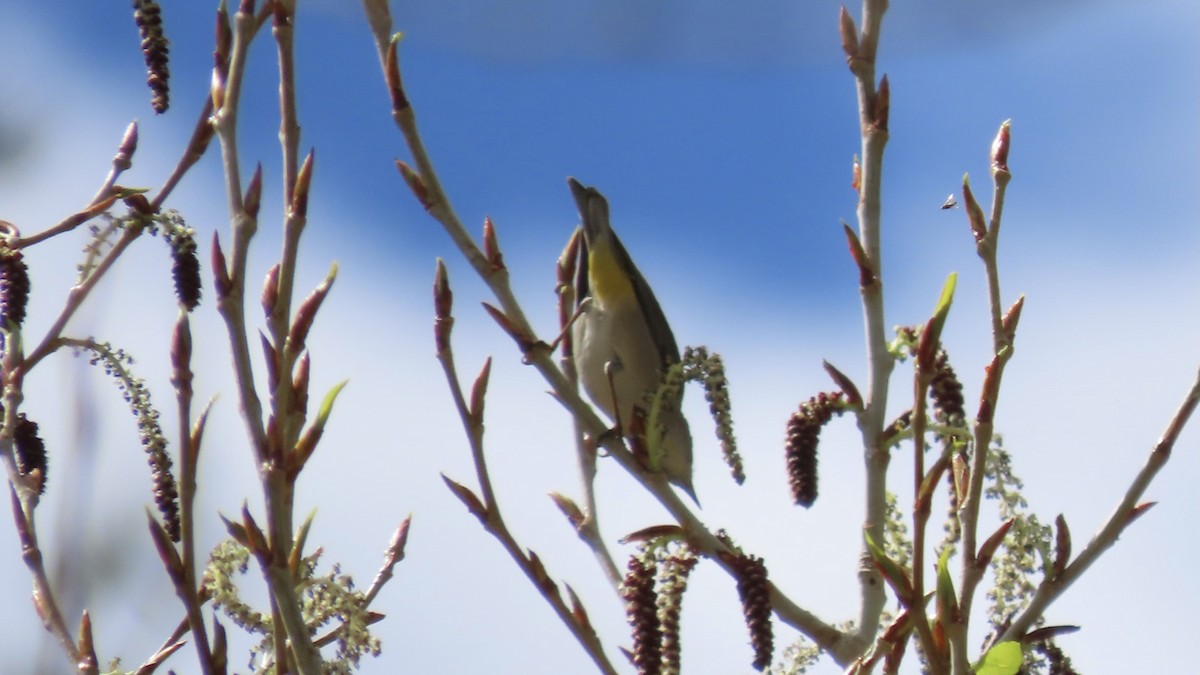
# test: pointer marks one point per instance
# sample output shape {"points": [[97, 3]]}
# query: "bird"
{"points": [[623, 344]]}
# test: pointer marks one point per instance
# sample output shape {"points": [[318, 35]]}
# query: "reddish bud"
{"points": [[416, 184], [866, 274], [468, 498], [1000, 148], [883, 104], [392, 75], [849, 34], [300, 385], [479, 391], [1062, 545], [222, 284], [88, 661], [974, 212], [181, 344], [1139, 511], [569, 509], [270, 292], [166, 550], [853, 397], [989, 547], [307, 312], [251, 201], [491, 247], [299, 205], [124, 157], [1012, 317], [443, 302]]}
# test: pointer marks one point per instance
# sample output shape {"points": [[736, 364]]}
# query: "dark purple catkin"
{"points": [[185, 269], [803, 433], [641, 611], [14, 286], [155, 48], [756, 606], [30, 450]]}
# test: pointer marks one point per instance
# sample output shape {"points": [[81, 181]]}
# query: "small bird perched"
{"points": [[623, 344]]}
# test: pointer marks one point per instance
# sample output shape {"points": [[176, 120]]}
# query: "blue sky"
{"points": [[723, 138]]}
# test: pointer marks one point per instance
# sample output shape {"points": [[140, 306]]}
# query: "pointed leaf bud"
{"points": [[1000, 148], [312, 435], [974, 212], [416, 184], [88, 661], [299, 205], [443, 303], [569, 508], [491, 247], [849, 34], [392, 75], [468, 498], [866, 274], [307, 312], [853, 397], [1062, 545], [1139, 511], [300, 385], [1012, 317], [124, 157], [989, 547], [181, 349], [257, 538], [222, 284], [270, 292], [253, 198], [883, 104], [166, 550], [479, 392], [523, 342]]}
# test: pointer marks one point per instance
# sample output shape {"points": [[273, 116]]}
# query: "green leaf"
{"points": [[947, 604], [1002, 659], [327, 404], [895, 575], [943, 305]]}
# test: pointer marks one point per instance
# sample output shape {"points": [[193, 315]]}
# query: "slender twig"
{"points": [[224, 121], [43, 593], [872, 418], [75, 299], [189, 451], [1002, 346], [494, 523], [394, 554], [1126, 512], [67, 224], [920, 517], [278, 488], [201, 135]]}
